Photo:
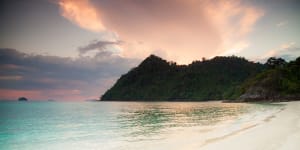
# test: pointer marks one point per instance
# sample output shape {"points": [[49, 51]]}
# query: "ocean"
{"points": [[45, 125]]}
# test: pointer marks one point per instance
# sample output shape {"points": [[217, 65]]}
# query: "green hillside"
{"points": [[279, 82], [157, 79]]}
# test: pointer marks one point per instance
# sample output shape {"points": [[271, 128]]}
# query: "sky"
{"points": [[77, 49]]}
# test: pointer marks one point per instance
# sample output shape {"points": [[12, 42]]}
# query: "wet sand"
{"points": [[279, 132]]}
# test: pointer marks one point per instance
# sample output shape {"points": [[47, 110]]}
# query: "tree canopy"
{"points": [[157, 79]]}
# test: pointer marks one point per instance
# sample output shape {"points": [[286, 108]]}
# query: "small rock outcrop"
{"points": [[22, 99], [281, 82], [260, 94]]}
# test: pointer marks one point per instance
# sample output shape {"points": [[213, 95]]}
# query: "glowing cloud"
{"points": [[82, 13], [234, 21], [180, 30], [183, 30]]}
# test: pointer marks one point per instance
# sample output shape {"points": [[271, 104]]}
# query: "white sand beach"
{"points": [[281, 132]]}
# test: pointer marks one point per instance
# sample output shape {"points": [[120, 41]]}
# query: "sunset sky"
{"points": [[76, 49]]}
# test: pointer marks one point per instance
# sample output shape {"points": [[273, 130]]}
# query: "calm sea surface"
{"points": [[124, 125]]}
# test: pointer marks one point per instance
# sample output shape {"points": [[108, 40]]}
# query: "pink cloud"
{"points": [[11, 77], [42, 77], [183, 30], [56, 94], [83, 13], [15, 94], [10, 66]]}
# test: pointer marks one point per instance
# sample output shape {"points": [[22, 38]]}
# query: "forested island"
{"points": [[220, 78]]}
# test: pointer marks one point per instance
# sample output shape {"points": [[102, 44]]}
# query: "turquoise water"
{"points": [[122, 125]]}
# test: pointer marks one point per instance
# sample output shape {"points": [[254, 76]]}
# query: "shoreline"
{"points": [[281, 132]]}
